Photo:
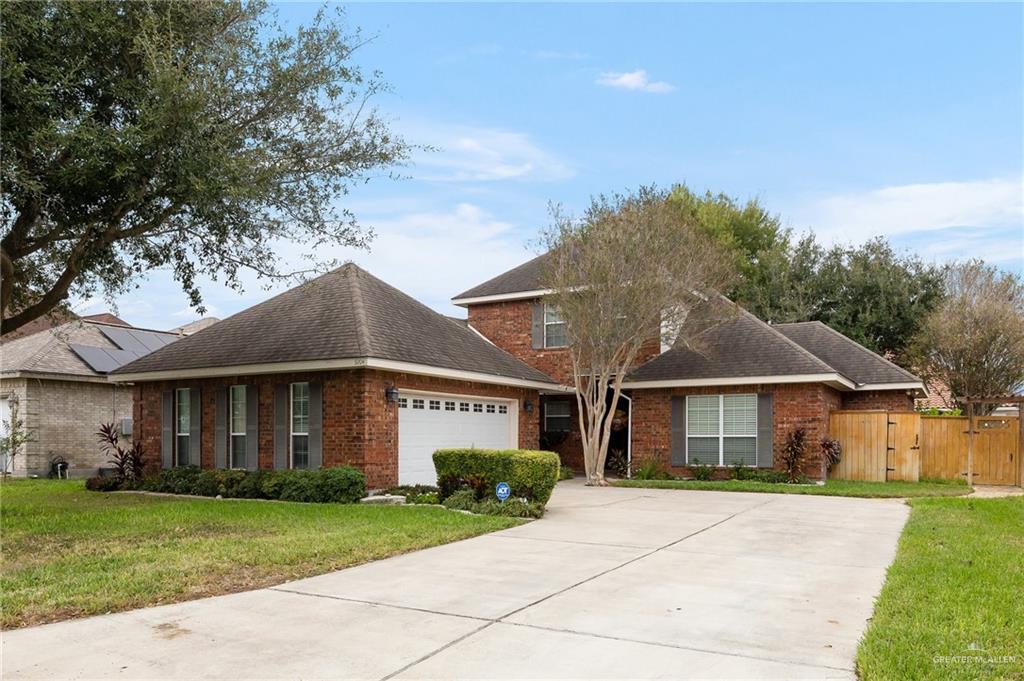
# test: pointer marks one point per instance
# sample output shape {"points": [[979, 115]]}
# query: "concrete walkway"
{"points": [[612, 583]]}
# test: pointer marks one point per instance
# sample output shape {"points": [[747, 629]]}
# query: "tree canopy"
{"points": [[194, 136], [871, 293]]}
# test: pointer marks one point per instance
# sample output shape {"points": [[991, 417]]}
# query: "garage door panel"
{"points": [[430, 422]]}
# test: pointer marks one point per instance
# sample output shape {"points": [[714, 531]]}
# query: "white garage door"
{"points": [[429, 422]]}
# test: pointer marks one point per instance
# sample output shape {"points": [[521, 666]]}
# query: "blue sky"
{"points": [[851, 120]]}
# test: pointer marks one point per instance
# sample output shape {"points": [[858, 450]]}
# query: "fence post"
{"points": [[970, 444]]}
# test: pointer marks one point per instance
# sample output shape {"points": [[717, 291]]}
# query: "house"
{"points": [[346, 369], [55, 380]]}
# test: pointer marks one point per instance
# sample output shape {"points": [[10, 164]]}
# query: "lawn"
{"points": [[68, 552], [953, 604], [832, 488]]}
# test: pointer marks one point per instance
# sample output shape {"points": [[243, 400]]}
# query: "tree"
{"points": [[869, 292], [632, 270], [13, 436], [194, 136], [973, 341]]}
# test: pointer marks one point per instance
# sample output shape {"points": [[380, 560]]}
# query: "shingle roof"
{"points": [[739, 347], [346, 313], [525, 277], [53, 351], [848, 357]]}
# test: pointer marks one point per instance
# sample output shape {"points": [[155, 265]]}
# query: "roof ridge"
{"points": [[351, 272], [793, 343], [864, 349]]}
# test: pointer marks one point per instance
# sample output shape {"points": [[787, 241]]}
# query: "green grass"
{"points": [[832, 488], [956, 586], [67, 552]]}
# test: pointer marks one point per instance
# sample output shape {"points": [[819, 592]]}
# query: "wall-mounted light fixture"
{"points": [[391, 393], [528, 406]]}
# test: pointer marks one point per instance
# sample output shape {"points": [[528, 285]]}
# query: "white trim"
{"points": [[50, 376], [331, 364], [893, 386], [721, 429], [545, 324], [499, 297], [838, 379]]}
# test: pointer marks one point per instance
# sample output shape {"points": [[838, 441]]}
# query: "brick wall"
{"points": [[63, 417], [360, 427], [795, 405], [891, 400]]}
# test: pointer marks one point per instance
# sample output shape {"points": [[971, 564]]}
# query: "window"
{"points": [[721, 430], [300, 425], [417, 404], [435, 405], [182, 425], [491, 408], [403, 403], [557, 416], [449, 406], [502, 408], [554, 329], [477, 408], [463, 406], [236, 442]]}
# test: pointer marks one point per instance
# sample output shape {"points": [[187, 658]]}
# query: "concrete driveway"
{"points": [[612, 583]]}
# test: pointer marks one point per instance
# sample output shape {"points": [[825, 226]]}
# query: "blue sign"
{"points": [[502, 491]]}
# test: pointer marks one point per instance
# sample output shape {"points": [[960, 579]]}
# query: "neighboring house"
{"points": [[346, 369], [193, 327], [57, 379], [736, 401]]}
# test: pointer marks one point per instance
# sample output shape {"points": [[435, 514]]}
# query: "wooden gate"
{"points": [[877, 445], [996, 454]]}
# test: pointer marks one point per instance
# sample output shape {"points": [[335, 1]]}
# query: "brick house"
{"points": [[55, 379], [734, 402], [346, 369]]}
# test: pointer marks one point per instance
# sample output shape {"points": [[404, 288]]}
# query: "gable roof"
{"points": [[525, 278], [346, 314], [847, 356], [80, 349]]}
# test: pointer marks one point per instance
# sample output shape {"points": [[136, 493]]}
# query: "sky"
{"points": [[849, 120]]}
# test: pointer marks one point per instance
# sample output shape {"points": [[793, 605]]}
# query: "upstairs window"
{"points": [[554, 329]]}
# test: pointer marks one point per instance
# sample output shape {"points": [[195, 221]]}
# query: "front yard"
{"points": [[834, 488], [953, 604], [68, 552]]}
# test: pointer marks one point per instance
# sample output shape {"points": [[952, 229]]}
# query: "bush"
{"points": [[831, 451], [343, 484], [793, 454], [530, 474], [98, 483], [701, 471], [761, 475], [427, 498], [651, 469], [412, 490], [463, 500], [565, 473]]}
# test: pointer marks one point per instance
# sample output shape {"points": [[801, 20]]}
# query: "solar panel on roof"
{"points": [[137, 339], [105, 360]]}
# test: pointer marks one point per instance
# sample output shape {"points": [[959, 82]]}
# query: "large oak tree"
{"points": [[193, 136]]}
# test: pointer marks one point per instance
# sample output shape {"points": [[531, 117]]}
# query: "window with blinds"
{"points": [[721, 430]]}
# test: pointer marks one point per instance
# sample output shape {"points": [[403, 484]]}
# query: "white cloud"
{"points": [[468, 154], [913, 208], [634, 80]]}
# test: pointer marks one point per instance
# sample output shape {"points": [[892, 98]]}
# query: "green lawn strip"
{"points": [[67, 552], [832, 488], [956, 589]]}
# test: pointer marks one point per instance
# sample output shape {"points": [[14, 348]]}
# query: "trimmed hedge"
{"points": [[530, 474], [342, 484]]}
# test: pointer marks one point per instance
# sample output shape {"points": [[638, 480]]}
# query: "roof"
{"points": [[345, 314], [524, 278], [47, 321], [80, 348], [193, 327], [847, 356], [106, 318], [743, 346]]}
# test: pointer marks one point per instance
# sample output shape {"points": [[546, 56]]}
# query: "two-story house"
{"points": [[346, 369]]}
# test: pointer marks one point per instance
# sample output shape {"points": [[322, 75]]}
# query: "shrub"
{"points": [[831, 451], [511, 508], [412, 490], [330, 485], [98, 483], [701, 471], [651, 469], [426, 498], [565, 473], [128, 462], [530, 474], [761, 475], [794, 451], [462, 500]]}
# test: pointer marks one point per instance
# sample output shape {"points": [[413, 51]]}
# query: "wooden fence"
{"points": [[889, 445]]}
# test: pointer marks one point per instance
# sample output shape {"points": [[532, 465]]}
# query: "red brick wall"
{"points": [[509, 325], [795, 405], [891, 400], [360, 426]]}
